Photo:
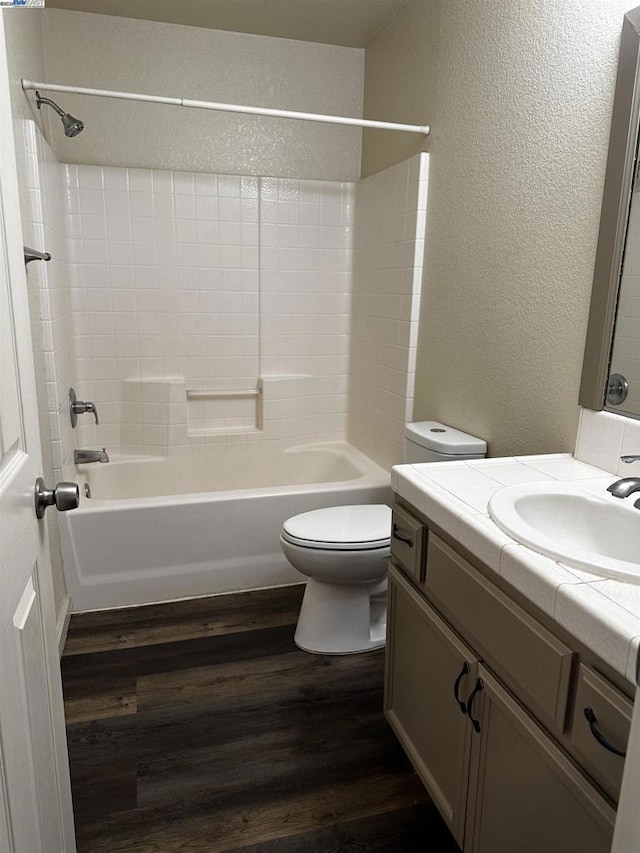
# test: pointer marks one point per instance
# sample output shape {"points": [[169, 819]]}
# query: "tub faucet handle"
{"points": [[80, 407]]}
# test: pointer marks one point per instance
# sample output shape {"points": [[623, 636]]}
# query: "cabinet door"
{"points": [[525, 794], [427, 667]]}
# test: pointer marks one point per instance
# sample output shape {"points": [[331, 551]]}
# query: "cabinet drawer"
{"points": [[610, 715], [535, 662], [407, 542]]}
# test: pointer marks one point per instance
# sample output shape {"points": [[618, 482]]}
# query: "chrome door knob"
{"points": [[64, 497]]}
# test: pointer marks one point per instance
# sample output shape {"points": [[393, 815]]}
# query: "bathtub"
{"points": [[160, 529]]}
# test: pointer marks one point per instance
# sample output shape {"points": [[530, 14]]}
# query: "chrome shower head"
{"points": [[72, 126]]}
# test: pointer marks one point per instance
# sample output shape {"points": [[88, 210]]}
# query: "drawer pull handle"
{"points": [[479, 686], [466, 669], [395, 532], [595, 731]]}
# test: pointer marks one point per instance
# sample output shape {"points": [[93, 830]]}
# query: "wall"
{"points": [[387, 280], [142, 56], [401, 66], [520, 132]]}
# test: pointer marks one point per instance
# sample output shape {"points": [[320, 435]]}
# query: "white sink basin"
{"points": [[573, 524]]}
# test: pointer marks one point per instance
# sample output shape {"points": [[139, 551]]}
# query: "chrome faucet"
{"points": [[81, 457], [627, 485]]}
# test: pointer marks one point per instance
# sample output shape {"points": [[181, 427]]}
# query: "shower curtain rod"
{"points": [[229, 108]]}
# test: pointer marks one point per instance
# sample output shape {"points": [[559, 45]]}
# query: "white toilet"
{"points": [[343, 550]]}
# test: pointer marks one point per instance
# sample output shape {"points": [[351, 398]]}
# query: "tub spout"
{"points": [[82, 457]]}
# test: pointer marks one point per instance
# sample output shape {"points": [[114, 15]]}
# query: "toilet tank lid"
{"points": [[444, 439]]}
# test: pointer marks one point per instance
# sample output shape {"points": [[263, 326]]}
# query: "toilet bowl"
{"points": [[343, 551]]}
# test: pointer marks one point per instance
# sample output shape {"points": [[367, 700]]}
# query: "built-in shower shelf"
{"points": [[197, 394], [214, 413]]}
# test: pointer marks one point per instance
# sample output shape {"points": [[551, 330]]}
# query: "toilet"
{"points": [[343, 551]]}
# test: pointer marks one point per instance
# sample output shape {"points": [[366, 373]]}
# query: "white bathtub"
{"points": [[160, 529]]}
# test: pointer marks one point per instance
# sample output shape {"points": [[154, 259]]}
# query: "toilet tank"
{"points": [[430, 441]]}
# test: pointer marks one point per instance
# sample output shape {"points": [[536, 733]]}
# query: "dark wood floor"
{"points": [[198, 726]]}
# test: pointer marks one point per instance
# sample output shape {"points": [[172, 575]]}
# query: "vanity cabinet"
{"points": [[525, 794], [488, 705], [428, 677]]}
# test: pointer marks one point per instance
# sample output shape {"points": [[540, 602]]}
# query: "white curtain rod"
{"points": [[228, 108]]}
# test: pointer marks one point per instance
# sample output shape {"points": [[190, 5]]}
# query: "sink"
{"points": [[573, 524]]}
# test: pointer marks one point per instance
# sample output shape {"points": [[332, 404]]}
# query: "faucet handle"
{"points": [[629, 459], [79, 407], [91, 407]]}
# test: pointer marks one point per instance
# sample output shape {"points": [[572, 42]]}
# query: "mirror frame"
{"points": [[614, 219]]}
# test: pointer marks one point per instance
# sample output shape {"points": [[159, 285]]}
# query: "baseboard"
{"points": [[62, 625]]}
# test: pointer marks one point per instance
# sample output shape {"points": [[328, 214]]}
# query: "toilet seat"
{"points": [[341, 528]]}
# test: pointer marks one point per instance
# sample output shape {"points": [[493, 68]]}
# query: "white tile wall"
{"points": [[306, 253], [168, 281], [388, 266], [603, 437], [44, 228], [213, 279]]}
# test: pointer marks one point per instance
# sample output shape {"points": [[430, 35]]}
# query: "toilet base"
{"points": [[342, 619]]}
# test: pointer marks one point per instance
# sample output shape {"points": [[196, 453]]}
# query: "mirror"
{"points": [[611, 366]]}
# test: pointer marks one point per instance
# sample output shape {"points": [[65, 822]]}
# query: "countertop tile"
{"points": [[534, 575], [632, 659], [564, 469], [510, 473], [582, 575], [480, 535], [627, 595], [597, 621], [478, 499], [458, 477]]}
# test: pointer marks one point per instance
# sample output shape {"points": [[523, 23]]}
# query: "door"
{"points": [[524, 793], [35, 797], [430, 673]]}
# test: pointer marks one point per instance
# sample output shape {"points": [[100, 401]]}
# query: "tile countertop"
{"points": [[604, 614]]}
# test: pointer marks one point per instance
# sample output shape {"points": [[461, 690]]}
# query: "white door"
{"points": [[35, 796]]}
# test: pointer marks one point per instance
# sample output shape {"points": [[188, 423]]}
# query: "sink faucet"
{"points": [[628, 485], [625, 487], [81, 457]]}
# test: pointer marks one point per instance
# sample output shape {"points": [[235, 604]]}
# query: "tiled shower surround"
{"points": [[177, 282]]}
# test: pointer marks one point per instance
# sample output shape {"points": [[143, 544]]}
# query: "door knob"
{"points": [[65, 496]]}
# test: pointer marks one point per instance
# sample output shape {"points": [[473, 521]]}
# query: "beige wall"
{"points": [[25, 57], [401, 65], [520, 122], [120, 53]]}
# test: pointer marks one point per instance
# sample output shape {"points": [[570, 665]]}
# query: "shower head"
{"points": [[72, 126]]}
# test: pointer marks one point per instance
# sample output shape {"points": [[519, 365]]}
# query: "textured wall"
{"points": [[119, 53], [520, 132], [400, 84]]}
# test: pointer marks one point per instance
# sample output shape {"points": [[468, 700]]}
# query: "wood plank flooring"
{"points": [[199, 726]]}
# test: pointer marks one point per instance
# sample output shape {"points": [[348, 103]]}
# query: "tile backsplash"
{"points": [[603, 437]]}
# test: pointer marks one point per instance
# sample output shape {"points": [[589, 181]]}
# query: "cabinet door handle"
{"points": [[479, 686], [591, 718], [466, 669], [395, 532]]}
